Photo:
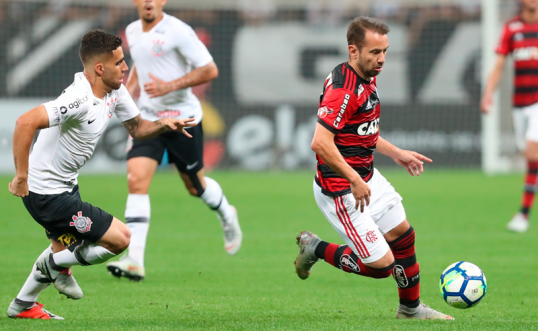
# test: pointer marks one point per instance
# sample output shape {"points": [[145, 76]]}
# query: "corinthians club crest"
{"points": [[81, 223], [157, 49]]}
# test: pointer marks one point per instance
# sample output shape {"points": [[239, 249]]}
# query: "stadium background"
{"points": [[273, 57], [259, 115]]}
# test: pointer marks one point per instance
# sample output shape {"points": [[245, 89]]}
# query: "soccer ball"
{"points": [[463, 285]]}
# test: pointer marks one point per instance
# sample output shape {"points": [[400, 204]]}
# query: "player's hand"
{"points": [[412, 161], [175, 124], [361, 192], [485, 103], [157, 87], [19, 187]]}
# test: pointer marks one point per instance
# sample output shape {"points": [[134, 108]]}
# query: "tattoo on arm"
{"points": [[132, 125]]}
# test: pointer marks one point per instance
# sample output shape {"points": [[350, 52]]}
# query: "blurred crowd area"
{"points": [[25, 24], [272, 60], [250, 12]]}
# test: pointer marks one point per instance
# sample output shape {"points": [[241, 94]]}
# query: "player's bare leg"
{"points": [[520, 221], [140, 171], [210, 192], [406, 273]]}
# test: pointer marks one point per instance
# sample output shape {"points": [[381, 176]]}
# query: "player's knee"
{"points": [[121, 241], [194, 192], [382, 272], [531, 155], [136, 184]]}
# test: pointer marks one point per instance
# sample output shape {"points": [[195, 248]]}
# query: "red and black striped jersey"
{"points": [[349, 108], [521, 39]]}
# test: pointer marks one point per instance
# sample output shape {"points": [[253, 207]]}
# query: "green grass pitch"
{"points": [[192, 283]]}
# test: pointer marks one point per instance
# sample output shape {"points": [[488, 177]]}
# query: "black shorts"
{"points": [[68, 219], [186, 153]]}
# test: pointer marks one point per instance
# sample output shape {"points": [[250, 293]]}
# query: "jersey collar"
{"points": [[362, 80]]}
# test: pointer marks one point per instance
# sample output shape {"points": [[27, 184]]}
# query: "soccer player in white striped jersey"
{"points": [[169, 60]]}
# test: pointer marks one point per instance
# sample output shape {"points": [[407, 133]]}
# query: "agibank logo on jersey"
{"points": [[83, 224], [342, 111], [324, 111], [368, 128], [78, 102]]}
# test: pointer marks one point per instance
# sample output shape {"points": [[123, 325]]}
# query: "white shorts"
{"points": [[363, 232], [525, 125]]}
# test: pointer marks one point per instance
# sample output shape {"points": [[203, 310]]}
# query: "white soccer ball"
{"points": [[463, 285]]}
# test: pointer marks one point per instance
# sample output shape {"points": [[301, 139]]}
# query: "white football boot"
{"points": [[35, 312], [518, 223], [64, 281], [306, 258], [422, 312], [233, 236], [128, 268]]}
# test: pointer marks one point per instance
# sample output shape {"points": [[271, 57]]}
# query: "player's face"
{"points": [[149, 10], [371, 57], [529, 4], [114, 68]]}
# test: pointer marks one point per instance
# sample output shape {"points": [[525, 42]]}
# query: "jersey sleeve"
{"points": [[67, 107], [336, 109], [192, 48], [505, 43], [126, 108]]}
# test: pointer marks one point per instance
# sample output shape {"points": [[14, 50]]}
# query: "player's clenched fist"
{"points": [[19, 187], [175, 124], [361, 192]]}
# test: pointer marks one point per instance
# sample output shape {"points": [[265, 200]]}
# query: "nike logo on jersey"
{"points": [[191, 166], [91, 121], [95, 102]]}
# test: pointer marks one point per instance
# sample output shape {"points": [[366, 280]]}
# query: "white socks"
{"points": [[87, 254], [216, 200], [32, 287], [137, 216]]}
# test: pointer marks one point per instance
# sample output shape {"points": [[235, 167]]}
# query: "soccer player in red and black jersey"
{"points": [[361, 205], [520, 38]]}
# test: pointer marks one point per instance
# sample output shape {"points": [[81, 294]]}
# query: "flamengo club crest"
{"points": [[81, 223], [324, 111], [370, 236]]}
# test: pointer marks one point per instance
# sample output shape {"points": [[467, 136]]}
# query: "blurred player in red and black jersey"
{"points": [[520, 38], [361, 205]]}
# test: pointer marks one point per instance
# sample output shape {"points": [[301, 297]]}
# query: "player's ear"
{"points": [[99, 68], [353, 51]]}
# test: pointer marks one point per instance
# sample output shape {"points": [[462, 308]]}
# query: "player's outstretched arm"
{"points": [[157, 87], [25, 128], [412, 161], [323, 145], [142, 129], [492, 83]]}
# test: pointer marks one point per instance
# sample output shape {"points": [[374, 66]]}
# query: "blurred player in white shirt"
{"points": [[46, 178], [169, 60]]}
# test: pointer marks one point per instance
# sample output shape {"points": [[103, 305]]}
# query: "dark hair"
{"points": [[98, 42], [357, 29]]}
